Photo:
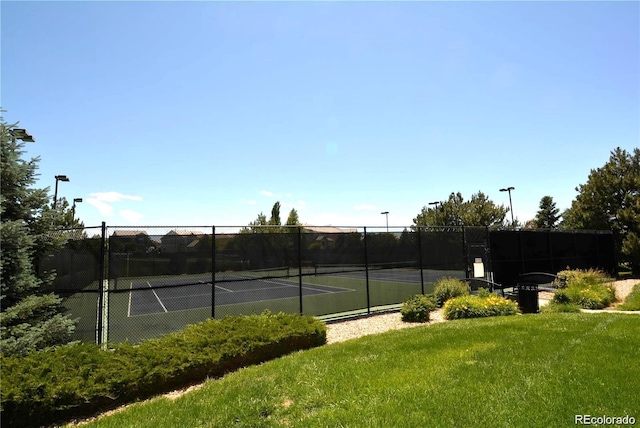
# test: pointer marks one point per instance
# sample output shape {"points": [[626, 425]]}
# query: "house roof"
{"points": [[330, 229], [184, 232], [129, 233]]}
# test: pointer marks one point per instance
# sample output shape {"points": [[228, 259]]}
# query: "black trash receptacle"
{"points": [[528, 298]]}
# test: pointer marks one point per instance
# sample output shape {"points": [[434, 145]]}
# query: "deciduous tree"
{"points": [[478, 211]]}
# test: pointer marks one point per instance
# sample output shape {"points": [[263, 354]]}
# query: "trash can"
{"points": [[528, 298]]}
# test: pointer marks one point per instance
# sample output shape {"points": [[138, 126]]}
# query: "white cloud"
{"points": [[104, 208], [131, 216], [365, 207], [266, 193], [103, 201], [113, 197]]}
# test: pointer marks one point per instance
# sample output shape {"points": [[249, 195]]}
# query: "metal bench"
{"points": [[477, 283]]}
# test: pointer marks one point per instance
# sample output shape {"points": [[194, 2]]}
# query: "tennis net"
{"points": [[327, 269], [252, 275]]}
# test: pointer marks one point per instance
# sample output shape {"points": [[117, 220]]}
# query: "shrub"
{"points": [[78, 380], [589, 289], [567, 278], [632, 302], [417, 308], [561, 297], [448, 288], [477, 307]]}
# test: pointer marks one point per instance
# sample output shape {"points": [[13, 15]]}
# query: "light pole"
{"points": [[386, 213], [509, 189], [55, 195], [73, 208], [435, 203]]}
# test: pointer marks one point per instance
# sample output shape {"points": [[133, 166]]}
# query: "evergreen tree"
{"points": [[29, 319], [293, 219], [547, 217], [610, 200]]}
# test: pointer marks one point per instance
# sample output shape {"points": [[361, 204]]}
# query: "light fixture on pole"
{"points": [[509, 189], [435, 203], [73, 208], [22, 134], [55, 195], [386, 213]]}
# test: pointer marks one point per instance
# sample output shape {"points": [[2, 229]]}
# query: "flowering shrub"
{"points": [[567, 278], [589, 289], [417, 308], [478, 307], [447, 288]]}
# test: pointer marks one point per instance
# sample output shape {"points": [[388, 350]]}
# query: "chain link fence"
{"points": [[135, 283]]}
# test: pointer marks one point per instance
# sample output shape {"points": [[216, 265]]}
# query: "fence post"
{"points": [[420, 260], [213, 272], [366, 271], [300, 265], [465, 253], [101, 271]]}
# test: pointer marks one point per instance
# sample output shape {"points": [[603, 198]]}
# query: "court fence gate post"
{"points": [[101, 277], [366, 271], [213, 272], [300, 265], [419, 232]]}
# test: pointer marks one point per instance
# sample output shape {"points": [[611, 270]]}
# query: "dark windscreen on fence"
{"points": [[135, 283]]}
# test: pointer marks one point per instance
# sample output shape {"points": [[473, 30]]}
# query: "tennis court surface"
{"points": [[149, 296]]}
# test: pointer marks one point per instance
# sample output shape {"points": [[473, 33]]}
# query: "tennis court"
{"points": [[150, 296]]}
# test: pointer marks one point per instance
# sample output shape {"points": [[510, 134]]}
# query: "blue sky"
{"points": [[203, 113]]}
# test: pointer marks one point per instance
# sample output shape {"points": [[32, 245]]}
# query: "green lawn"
{"points": [[531, 370]]}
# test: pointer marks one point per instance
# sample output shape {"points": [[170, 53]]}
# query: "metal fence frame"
{"points": [[421, 246]]}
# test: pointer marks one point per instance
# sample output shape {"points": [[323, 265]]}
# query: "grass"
{"points": [[632, 301], [530, 370]]}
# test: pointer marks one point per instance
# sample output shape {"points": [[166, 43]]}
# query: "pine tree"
{"points": [[547, 217], [29, 319], [610, 200]]}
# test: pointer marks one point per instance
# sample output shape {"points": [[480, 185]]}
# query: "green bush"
{"points": [[583, 278], [588, 289], [417, 308], [632, 302], [478, 307], [561, 297], [79, 380], [448, 288]]}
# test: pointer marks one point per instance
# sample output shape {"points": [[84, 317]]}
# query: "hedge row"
{"points": [[80, 380]]}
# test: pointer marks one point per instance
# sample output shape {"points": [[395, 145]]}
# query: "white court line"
{"points": [[156, 294], [130, 293], [225, 289]]}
